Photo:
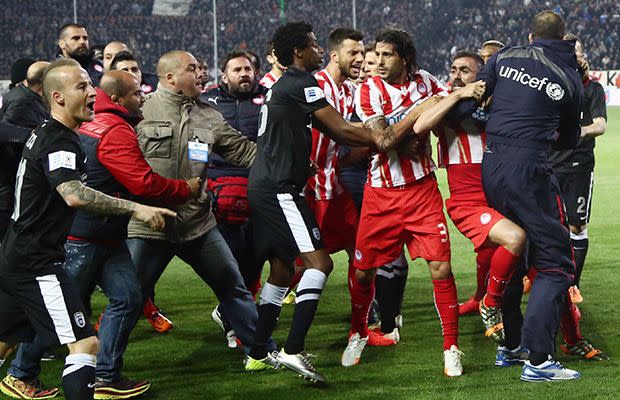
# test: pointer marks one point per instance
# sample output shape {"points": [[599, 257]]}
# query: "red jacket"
{"points": [[120, 154]]}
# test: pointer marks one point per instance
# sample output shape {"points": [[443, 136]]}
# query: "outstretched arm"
{"points": [[77, 195]]}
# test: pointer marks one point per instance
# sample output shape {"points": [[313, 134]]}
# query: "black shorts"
{"points": [[47, 305], [284, 226], [577, 192]]}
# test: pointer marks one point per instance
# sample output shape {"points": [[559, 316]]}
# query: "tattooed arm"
{"points": [[77, 195]]}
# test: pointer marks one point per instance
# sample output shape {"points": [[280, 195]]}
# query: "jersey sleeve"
{"points": [[368, 101], [598, 109], [62, 160], [308, 95]]}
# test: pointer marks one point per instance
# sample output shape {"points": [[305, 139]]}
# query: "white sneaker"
{"points": [[301, 364], [231, 337], [352, 354], [550, 370], [217, 317], [394, 335], [452, 362]]}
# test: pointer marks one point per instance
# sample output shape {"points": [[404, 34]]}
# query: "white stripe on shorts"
{"points": [[295, 222], [589, 196], [56, 307]]}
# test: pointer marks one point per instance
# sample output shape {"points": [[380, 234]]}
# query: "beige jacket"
{"points": [[171, 120]]}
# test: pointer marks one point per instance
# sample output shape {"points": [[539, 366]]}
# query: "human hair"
{"points": [[369, 47], [493, 42], [470, 54], [52, 83], [234, 54], [123, 56], [289, 37], [548, 25], [339, 35], [254, 59], [403, 46], [269, 48], [63, 29]]}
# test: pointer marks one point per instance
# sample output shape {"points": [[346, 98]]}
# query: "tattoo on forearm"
{"points": [[95, 201], [382, 134]]}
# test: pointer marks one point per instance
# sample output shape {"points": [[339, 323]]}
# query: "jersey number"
{"points": [[263, 119], [582, 204], [21, 170]]}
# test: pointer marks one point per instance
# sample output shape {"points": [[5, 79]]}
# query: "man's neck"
{"points": [[334, 71], [66, 120]]}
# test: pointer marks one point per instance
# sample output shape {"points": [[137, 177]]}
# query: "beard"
{"points": [[81, 55], [457, 83], [240, 89]]}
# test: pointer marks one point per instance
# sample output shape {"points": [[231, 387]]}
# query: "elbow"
{"points": [[73, 201], [421, 126]]}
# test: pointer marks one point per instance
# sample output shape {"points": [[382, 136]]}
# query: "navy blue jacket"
{"points": [[537, 94], [240, 113]]}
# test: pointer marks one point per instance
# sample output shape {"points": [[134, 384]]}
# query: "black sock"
{"points": [[580, 244], [271, 297], [308, 293], [387, 288], [538, 358], [400, 275], [78, 377]]}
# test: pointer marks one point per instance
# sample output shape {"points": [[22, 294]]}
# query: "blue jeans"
{"points": [[211, 258], [113, 270]]}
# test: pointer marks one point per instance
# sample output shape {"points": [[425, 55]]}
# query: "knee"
{"points": [[515, 240], [327, 266], [365, 277], [440, 269], [577, 229], [89, 345]]}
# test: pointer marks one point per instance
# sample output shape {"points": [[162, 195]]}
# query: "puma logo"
{"points": [[213, 100]]}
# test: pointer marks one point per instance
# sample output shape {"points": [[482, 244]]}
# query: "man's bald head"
{"points": [[548, 25], [111, 50], [55, 76], [170, 62], [118, 83], [34, 75]]}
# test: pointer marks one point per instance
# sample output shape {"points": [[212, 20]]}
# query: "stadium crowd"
{"points": [[249, 171], [442, 27]]}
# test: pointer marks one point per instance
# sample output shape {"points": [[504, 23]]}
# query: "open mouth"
{"points": [[91, 106]]}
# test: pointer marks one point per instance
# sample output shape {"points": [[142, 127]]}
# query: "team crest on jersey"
{"points": [[485, 218], [358, 255], [79, 319], [316, 233], [258, 100], [422, 89], [554, 91]]}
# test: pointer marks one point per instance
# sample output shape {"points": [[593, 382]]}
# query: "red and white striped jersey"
{"points": [[325, 152], [460, 142], [378, 97], [268, 80]]}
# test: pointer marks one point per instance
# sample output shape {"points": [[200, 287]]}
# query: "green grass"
{"points": [[192, 361]]}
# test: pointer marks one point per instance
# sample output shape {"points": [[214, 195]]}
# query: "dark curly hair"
{"points": [[289, 37], [403, 45]]}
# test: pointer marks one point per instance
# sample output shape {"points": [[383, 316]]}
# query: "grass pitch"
{"points": [[192, 361]]}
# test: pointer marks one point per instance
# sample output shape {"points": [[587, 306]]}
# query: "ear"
{"points": [[61, 44], [224, 78], [115, 98], [171, 78], [530, 38], [297, 52], [58, 98], [333, 56]]}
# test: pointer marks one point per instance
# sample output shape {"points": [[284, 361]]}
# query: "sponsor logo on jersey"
{"points": [[313, 94], [79, 319], [552, 89], [61, 159]]}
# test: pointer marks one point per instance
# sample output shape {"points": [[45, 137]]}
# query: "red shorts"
{"points": [[412, 215], [467, 206], [337, 219]]}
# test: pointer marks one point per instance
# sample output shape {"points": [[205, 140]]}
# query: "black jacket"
{"points": [[23, 107], [242, 114]]}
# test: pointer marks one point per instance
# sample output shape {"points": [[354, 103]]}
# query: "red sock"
{"points": [[361, 298], [503, 265], [571, 333], [149, 307], [444, 293], [255, 287], [483, 265]]}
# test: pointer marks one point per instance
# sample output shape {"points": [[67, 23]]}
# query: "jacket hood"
{"points": [[562, 49], [174, 97], [104, 104]]}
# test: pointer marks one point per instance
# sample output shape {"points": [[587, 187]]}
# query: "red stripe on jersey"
{"points": [[461, 143], [365, 101], [387, 101]]}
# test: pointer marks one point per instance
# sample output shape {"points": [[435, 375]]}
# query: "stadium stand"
{"points": [[440, 28]]}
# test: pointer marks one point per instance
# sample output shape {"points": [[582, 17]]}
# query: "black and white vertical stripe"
{"points": [[54, 301], [296, 222]]}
